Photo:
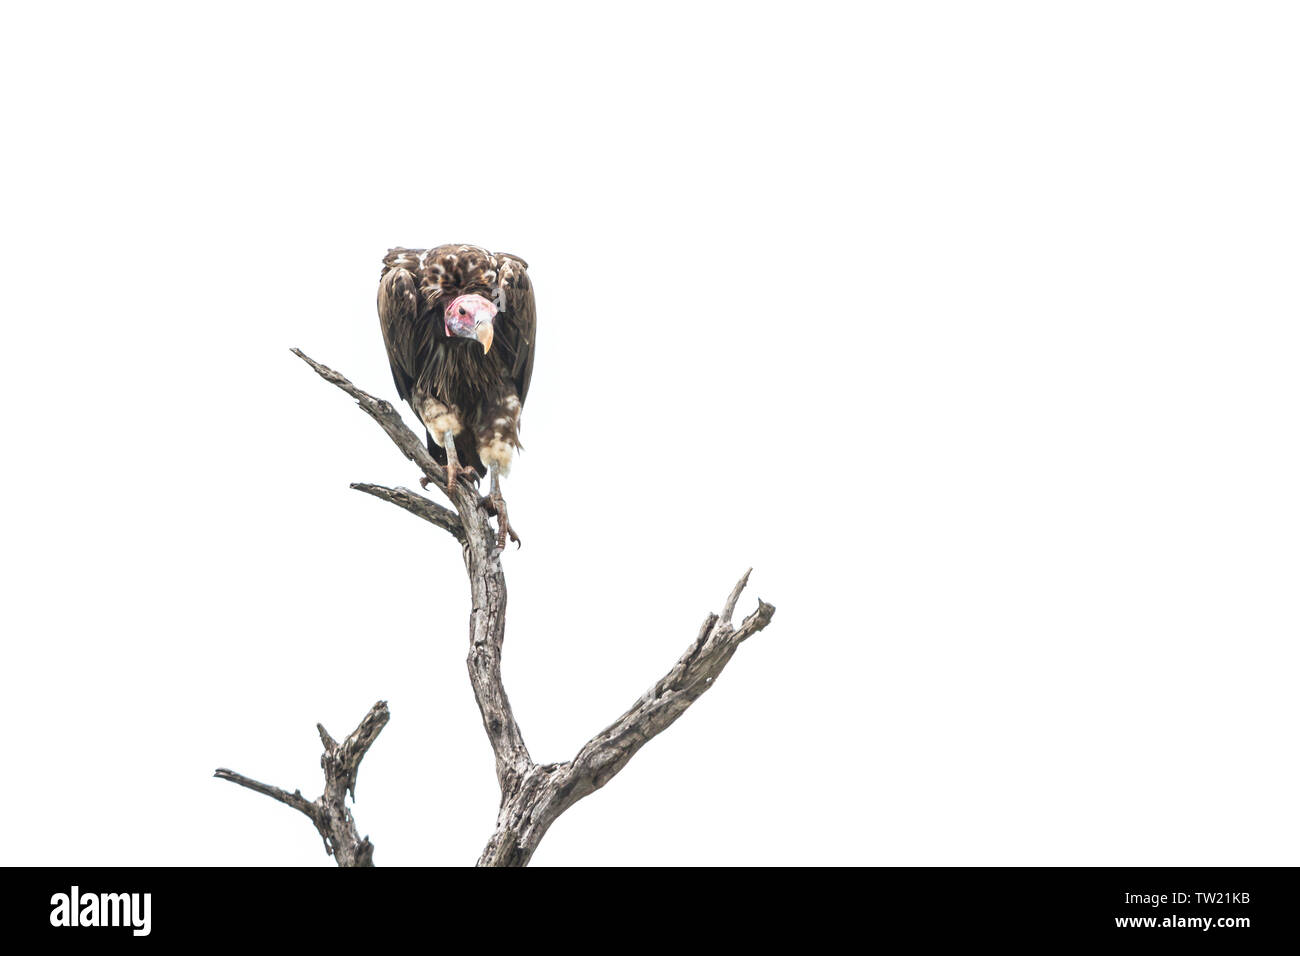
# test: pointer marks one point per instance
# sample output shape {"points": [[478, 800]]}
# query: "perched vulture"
{"points": [[459, 324]]}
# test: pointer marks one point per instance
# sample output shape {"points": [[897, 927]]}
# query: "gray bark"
{"points": [[329, 811], [532, 795]]}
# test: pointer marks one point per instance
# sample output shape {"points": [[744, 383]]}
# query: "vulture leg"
{"points": [[442, 422], [497, 505], [454, 469], [497, 434]]}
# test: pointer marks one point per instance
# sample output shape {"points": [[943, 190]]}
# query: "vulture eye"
{"points": [[462, 310]]}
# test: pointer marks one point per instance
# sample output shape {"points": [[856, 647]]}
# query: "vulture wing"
{"points": [[516, 325], [408, 345]]}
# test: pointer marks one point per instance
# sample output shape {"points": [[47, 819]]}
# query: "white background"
{"points": [[971, 327]]}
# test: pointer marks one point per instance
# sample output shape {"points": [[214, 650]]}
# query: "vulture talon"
{"points": [[495, 505], [455, 470], [468, 475]]}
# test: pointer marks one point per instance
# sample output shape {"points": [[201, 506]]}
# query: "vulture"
{"points": [[459, 324]]}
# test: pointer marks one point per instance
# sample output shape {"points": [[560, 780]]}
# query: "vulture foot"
{"points": [[454, 472], [494, 504]]}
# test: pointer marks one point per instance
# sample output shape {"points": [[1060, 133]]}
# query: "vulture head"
{"points": [[470, 317]]}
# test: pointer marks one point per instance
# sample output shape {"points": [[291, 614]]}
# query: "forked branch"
{"points": [[329, 812], [532, 795]]}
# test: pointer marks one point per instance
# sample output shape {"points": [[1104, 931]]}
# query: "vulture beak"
{"points": [[483, 332]]}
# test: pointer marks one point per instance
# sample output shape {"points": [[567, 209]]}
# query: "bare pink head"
{"points": [[470, 317]]}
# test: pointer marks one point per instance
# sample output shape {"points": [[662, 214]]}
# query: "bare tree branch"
{"points": [[295, 799], [532, 795], [387, 418], [487, 622], [729, 609], [551, 789], [329, 812], [417, 505]]}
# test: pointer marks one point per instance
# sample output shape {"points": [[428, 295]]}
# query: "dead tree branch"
{"points": [[417, 505], [532, 795], [329, 812], [550, 789]]}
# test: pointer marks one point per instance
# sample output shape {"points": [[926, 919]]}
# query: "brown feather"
{"points": [[415, 286]]}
